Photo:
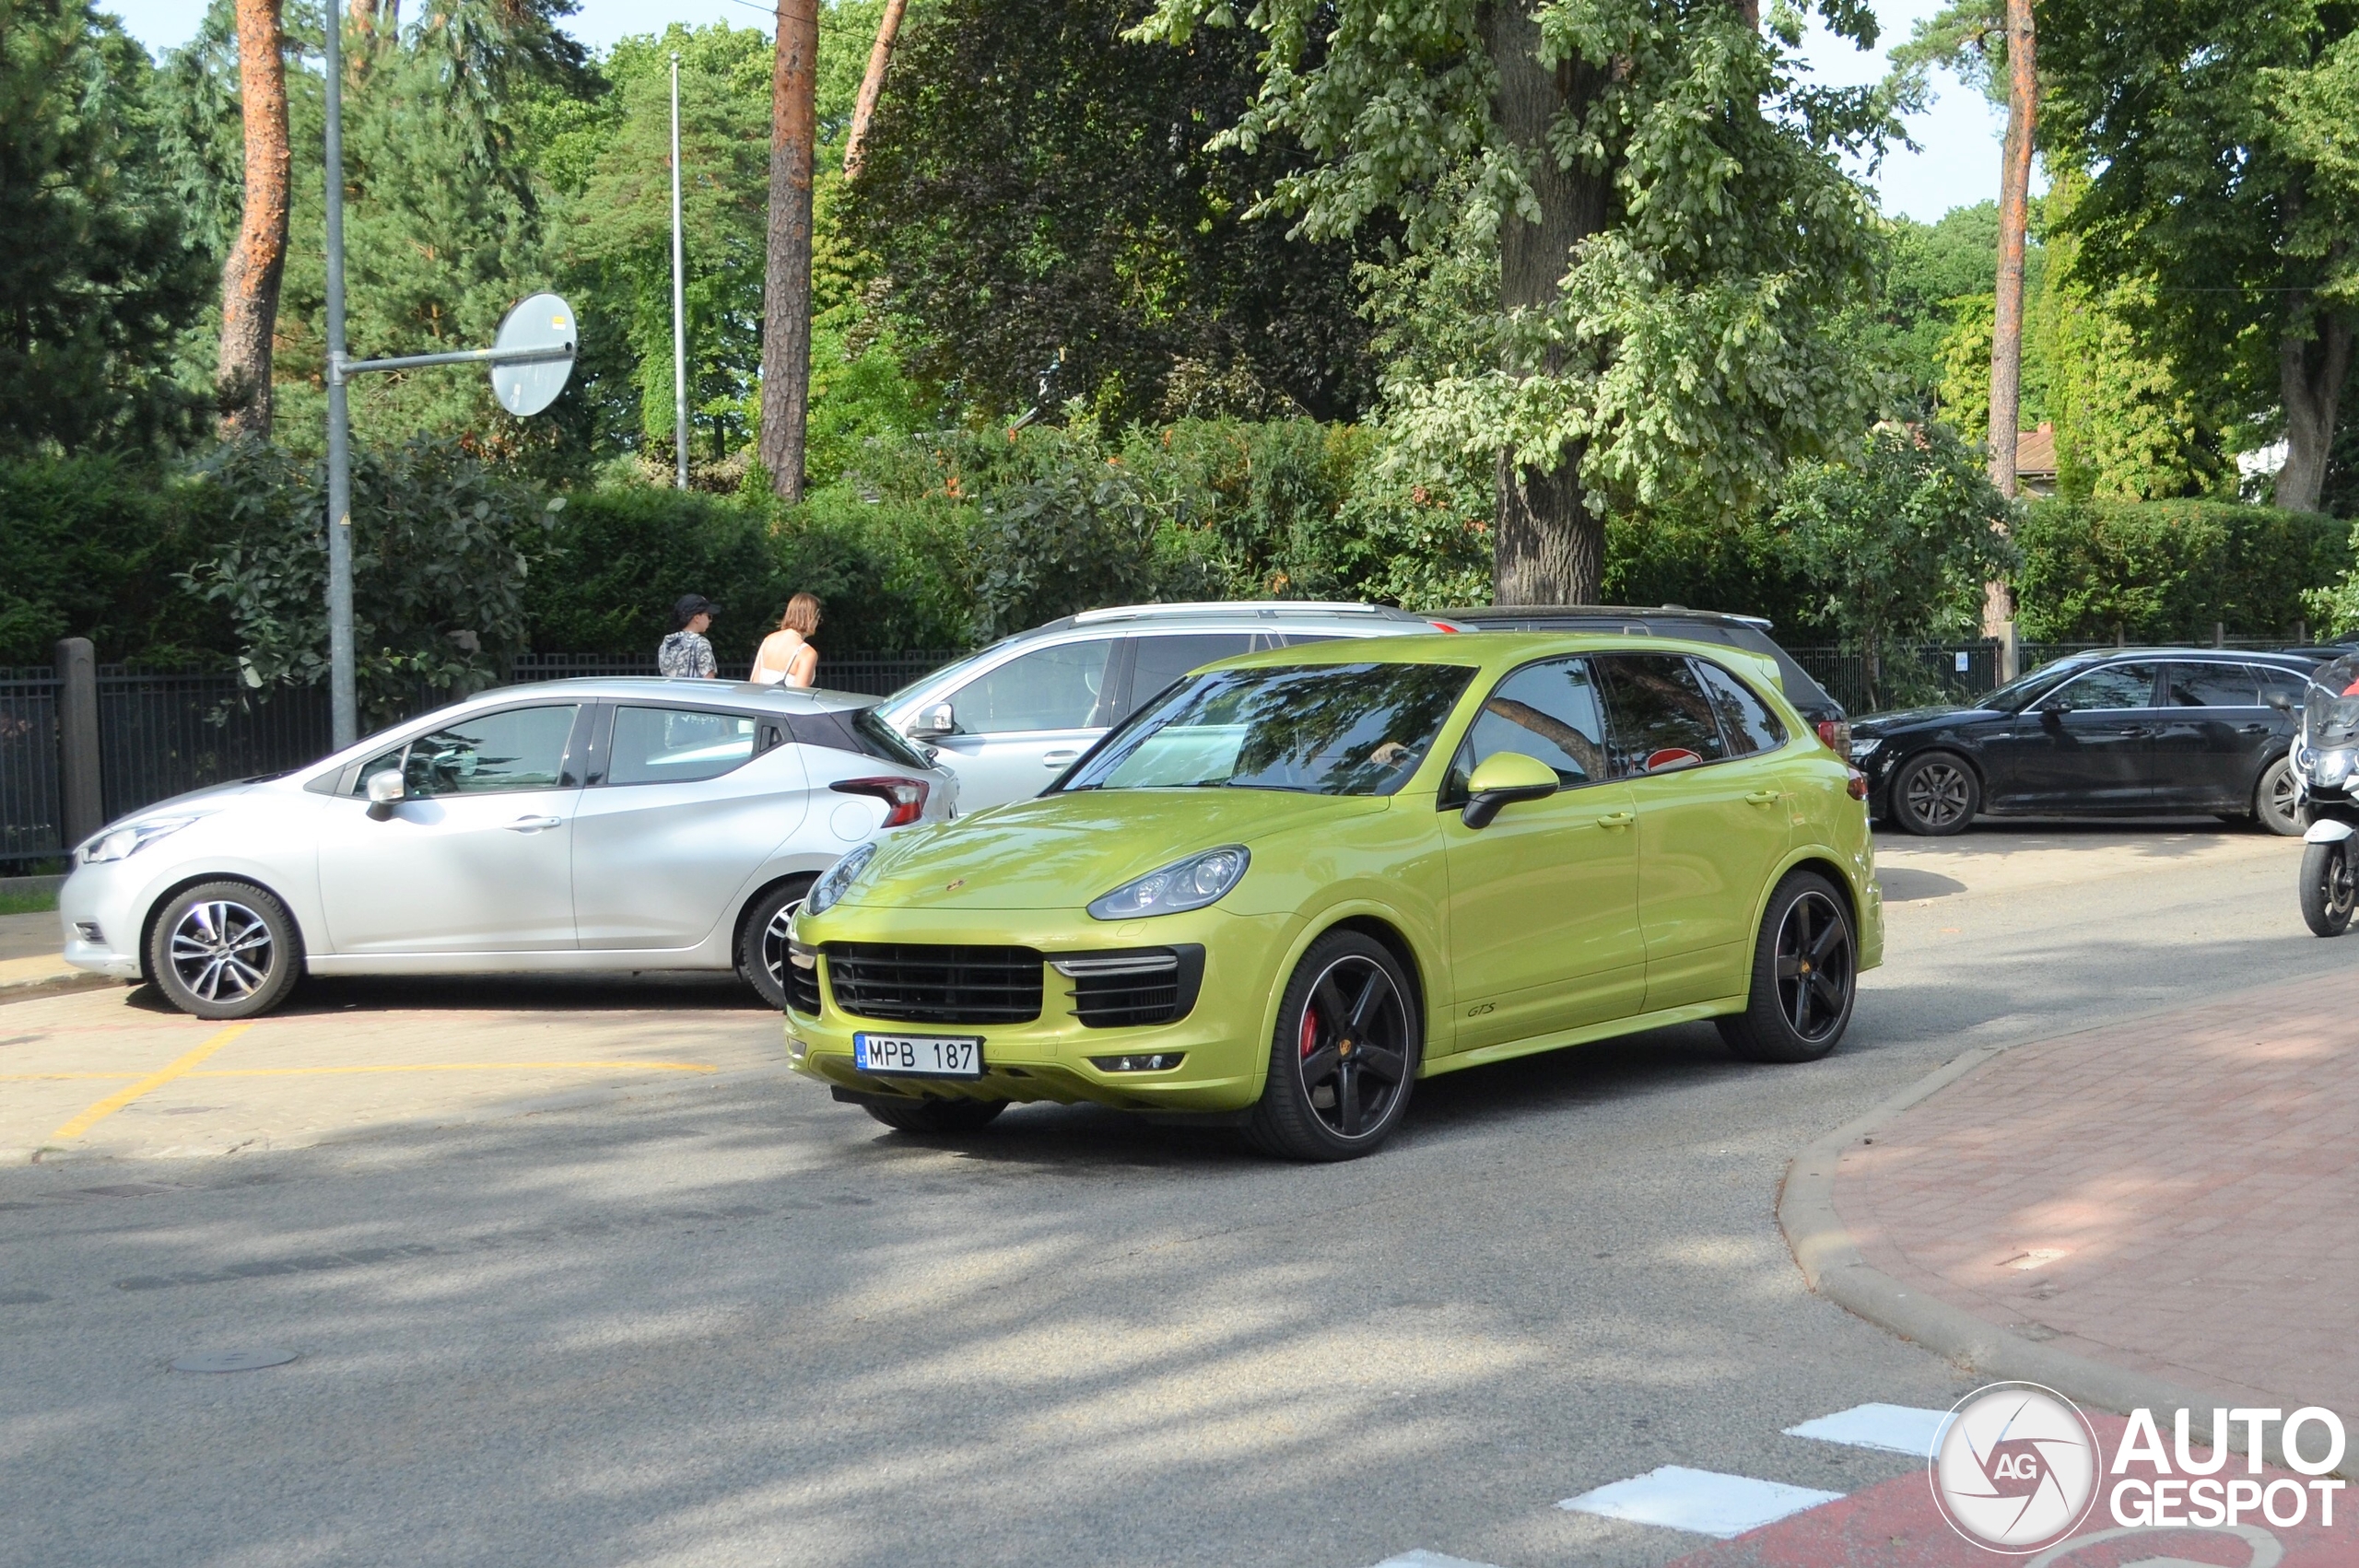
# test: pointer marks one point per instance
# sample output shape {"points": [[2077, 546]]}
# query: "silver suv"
{"points": [[1007, 720]]}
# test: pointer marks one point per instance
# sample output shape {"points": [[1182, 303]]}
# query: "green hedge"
{"points": [[2165, 571], [88, 546]]}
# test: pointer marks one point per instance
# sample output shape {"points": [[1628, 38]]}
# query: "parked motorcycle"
{"points": [[2326, 771]]}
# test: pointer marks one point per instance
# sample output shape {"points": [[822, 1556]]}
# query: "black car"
{"points": [[1750, 633], [2123, 732]]}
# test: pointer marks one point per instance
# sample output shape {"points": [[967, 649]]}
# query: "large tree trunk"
{"points": [[250, 278], [2015, 197], [872, 85], [2311, 370], [1547, 546], [786, 283]]}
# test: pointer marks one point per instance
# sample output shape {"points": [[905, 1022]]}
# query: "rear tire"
{"points": [[761, 939], [1935, 795], [225, 950], [1345, 1057], [934, 1116], [1805, 975], [2274, 804], [2327, 887]]}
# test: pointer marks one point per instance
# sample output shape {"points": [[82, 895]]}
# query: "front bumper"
{"points": [[100, 914], [1223, 1041]]}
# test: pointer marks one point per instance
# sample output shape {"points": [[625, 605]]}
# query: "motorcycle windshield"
{"points": [[2331, 709]]}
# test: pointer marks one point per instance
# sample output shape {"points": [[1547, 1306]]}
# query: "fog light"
{"points": [[1161, 1061], [88, 931]]}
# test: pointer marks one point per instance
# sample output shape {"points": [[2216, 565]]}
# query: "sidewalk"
{"points": [[2171, 1197]]}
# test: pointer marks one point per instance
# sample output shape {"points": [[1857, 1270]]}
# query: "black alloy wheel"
{"points": [[223, 950], [761, 939], [2328, 887], [1345, 1057], [1935, 795], [2275, 803], [1805, 976]]}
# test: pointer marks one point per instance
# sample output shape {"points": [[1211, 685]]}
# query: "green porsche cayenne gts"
{"points": [[1301, 880]]}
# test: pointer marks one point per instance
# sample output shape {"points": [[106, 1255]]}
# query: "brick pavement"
{"points": [[2172, 1194]]}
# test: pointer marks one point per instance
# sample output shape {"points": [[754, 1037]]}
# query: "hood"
{"points": [[1902, 719], [1060, 851], [209, 798]]}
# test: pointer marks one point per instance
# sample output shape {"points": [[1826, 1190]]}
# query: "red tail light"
{"points": [[1837, 733], [904, 798], [1857, 785], [1443, 626]]}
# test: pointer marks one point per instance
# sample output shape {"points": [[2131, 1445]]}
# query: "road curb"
{"points": [[1832, 1266]]}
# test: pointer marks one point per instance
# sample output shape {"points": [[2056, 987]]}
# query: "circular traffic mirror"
{"points": [[535, 345]]}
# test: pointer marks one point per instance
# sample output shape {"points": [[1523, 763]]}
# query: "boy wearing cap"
{"points": [[686, 655]]}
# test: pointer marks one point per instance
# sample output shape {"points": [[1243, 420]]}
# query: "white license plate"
{"points": [[919, 1056]]}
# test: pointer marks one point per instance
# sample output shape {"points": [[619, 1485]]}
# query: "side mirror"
{"points": [[938, 718], [2279, 701], [385, 792], [2051, 707], [1502, 780]]}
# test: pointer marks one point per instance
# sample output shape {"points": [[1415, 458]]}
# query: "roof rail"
{"points": [[1226, 607]]}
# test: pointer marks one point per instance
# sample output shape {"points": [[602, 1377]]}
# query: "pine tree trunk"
{"points": [[872, 86], [1547, 546], [786, 285], [2015, 196], [2311, 370], [250, 278]]}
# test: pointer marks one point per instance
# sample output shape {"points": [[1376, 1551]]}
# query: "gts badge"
{"points": [[1480, 1008]]}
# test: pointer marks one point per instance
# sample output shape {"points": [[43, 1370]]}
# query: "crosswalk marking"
{"points": [[1896, 1429], [1704, 1501]]}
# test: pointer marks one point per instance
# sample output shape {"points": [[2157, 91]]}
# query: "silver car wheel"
{"points": [[773, 945], [222, 951]]}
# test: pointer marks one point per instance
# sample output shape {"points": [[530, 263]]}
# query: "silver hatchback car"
{"points": [[1009, 720], [577, 825]]}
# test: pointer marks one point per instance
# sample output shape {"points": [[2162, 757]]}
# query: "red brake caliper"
{"points": [[1309, 1032]]}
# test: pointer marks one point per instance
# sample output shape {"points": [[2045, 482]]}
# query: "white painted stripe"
{"points": [[1705, 1501], [1421, 1557], [1897, 1429]]}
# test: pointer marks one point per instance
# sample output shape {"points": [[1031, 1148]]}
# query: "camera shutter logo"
{"points": [[2016, 1469]]}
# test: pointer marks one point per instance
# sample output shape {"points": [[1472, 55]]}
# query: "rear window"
{"points": [[854, 730]]}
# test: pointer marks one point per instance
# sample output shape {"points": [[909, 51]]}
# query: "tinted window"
{"points": [[1549, 711], [2274, 680], [1159, 661], [1662, 719], [523, 748], [1745, 723], [2211, 685], [669, 745], [2115, 686], [1323, 730], [1049, 688]]}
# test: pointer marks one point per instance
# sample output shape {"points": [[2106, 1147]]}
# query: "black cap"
{"points": [[691, 606]]}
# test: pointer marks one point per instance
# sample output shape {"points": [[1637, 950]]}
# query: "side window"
{"points": [[523, 748], [2211, 685], [1745, 722], [1056, 687], [2115, 686], [672, 745], [1549, 711], [1662, 719], [374, 766], [1156, 661], [2273, 680]]}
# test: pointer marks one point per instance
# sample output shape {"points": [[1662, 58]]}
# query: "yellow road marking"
{"points": [[157, 1080]]}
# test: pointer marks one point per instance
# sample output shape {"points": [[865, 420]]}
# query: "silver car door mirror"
{"points": [[939, 719], [385, 792]]}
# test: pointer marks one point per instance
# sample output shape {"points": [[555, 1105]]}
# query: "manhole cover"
{"points": [[231, 1360]]}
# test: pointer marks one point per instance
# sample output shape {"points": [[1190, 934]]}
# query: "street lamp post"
{"points": [[679, 301]]}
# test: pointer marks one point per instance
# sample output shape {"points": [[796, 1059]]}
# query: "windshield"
{"points": [[2025, 688], [2330, 706], [1318, 729]]}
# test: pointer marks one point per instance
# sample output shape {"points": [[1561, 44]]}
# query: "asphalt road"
{"points": [[734, 1323]]}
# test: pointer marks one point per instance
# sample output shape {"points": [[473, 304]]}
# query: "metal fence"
{"points": [[165, 732]]}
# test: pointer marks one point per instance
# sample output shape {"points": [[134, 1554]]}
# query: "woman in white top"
{"points": [[787, 658]]}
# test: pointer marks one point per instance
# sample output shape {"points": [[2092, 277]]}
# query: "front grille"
{"points": [[1134, 987], [803, 981], [928, 983]]}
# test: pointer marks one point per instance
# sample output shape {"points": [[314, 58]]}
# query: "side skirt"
{"points": [[1635, 1024]]}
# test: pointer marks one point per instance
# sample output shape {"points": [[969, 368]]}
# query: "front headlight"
{"points": [[1186, 885], [837, 881], [130, 838], [2332, 767], [1863, 749]]}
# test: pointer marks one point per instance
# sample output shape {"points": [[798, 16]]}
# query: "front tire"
{"points": [[223, 950], [761, 939], [1805, 975], [1345, 1056], [2274, 805], [2328, 887], [935, 1117], [1935, 795]]}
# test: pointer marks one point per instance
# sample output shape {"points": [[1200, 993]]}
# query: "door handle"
{"points": [[1762, 798], [1616, 819], [1059, 759], [534, 824]]}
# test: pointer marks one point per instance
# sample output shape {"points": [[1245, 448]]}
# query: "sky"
{"points": [[1958, 134]]}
